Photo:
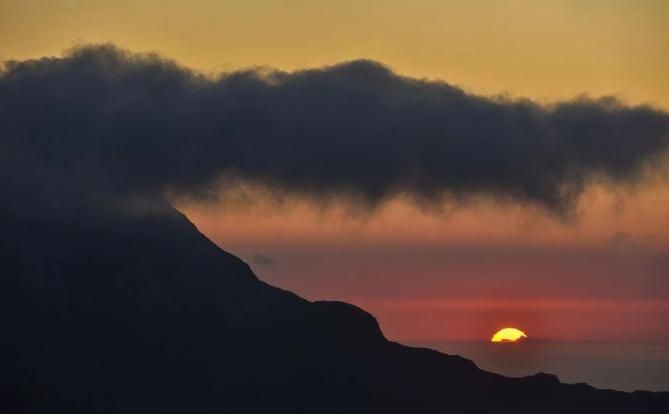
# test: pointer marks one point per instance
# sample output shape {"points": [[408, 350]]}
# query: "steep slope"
{"points": [[108, 313]]}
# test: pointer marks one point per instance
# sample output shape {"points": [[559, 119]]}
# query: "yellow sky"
{"points": [[541, 49]]}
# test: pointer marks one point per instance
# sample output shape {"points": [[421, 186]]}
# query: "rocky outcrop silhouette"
{"points": [[111, 313]]}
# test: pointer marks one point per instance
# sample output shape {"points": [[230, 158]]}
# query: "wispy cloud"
{"points": [[263, 260]]}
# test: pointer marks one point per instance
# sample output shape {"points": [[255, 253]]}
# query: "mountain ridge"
{"points": [[124, 313]]}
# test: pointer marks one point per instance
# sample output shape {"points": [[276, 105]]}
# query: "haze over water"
{"points": [[621, 366]]}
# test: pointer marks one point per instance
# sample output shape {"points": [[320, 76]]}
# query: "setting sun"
{"points": [[508, 335]]}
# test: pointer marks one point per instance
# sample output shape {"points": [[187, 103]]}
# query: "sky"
{"points": [[595, 267]]}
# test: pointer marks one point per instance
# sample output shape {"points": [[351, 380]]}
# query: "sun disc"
{"points": [[508, 335]]}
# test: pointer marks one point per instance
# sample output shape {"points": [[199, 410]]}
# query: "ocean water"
{"points": [[619, 366]]}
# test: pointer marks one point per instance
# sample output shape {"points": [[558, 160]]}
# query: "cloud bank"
{"points": [[101, 123]]}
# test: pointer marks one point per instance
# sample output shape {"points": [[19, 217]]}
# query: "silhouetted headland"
{"points": [[140, 313]]}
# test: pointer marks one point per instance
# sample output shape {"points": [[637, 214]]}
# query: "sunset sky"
{"points": [[459, 270]]}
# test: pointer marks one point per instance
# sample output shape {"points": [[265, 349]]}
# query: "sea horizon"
{"points": [[606, 364]]}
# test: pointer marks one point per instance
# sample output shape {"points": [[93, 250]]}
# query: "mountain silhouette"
{"points": [[140, 313]]}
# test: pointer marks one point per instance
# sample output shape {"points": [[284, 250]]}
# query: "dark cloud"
{"points": [[263, 260], [101, 124]]}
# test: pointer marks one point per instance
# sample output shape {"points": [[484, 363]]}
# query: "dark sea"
{"points": [[613, 365]]}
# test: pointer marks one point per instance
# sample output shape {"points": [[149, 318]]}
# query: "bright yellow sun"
{"points": [[508, 335]]}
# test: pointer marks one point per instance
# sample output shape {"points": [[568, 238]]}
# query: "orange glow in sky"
{"points": [[452, 274]]}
